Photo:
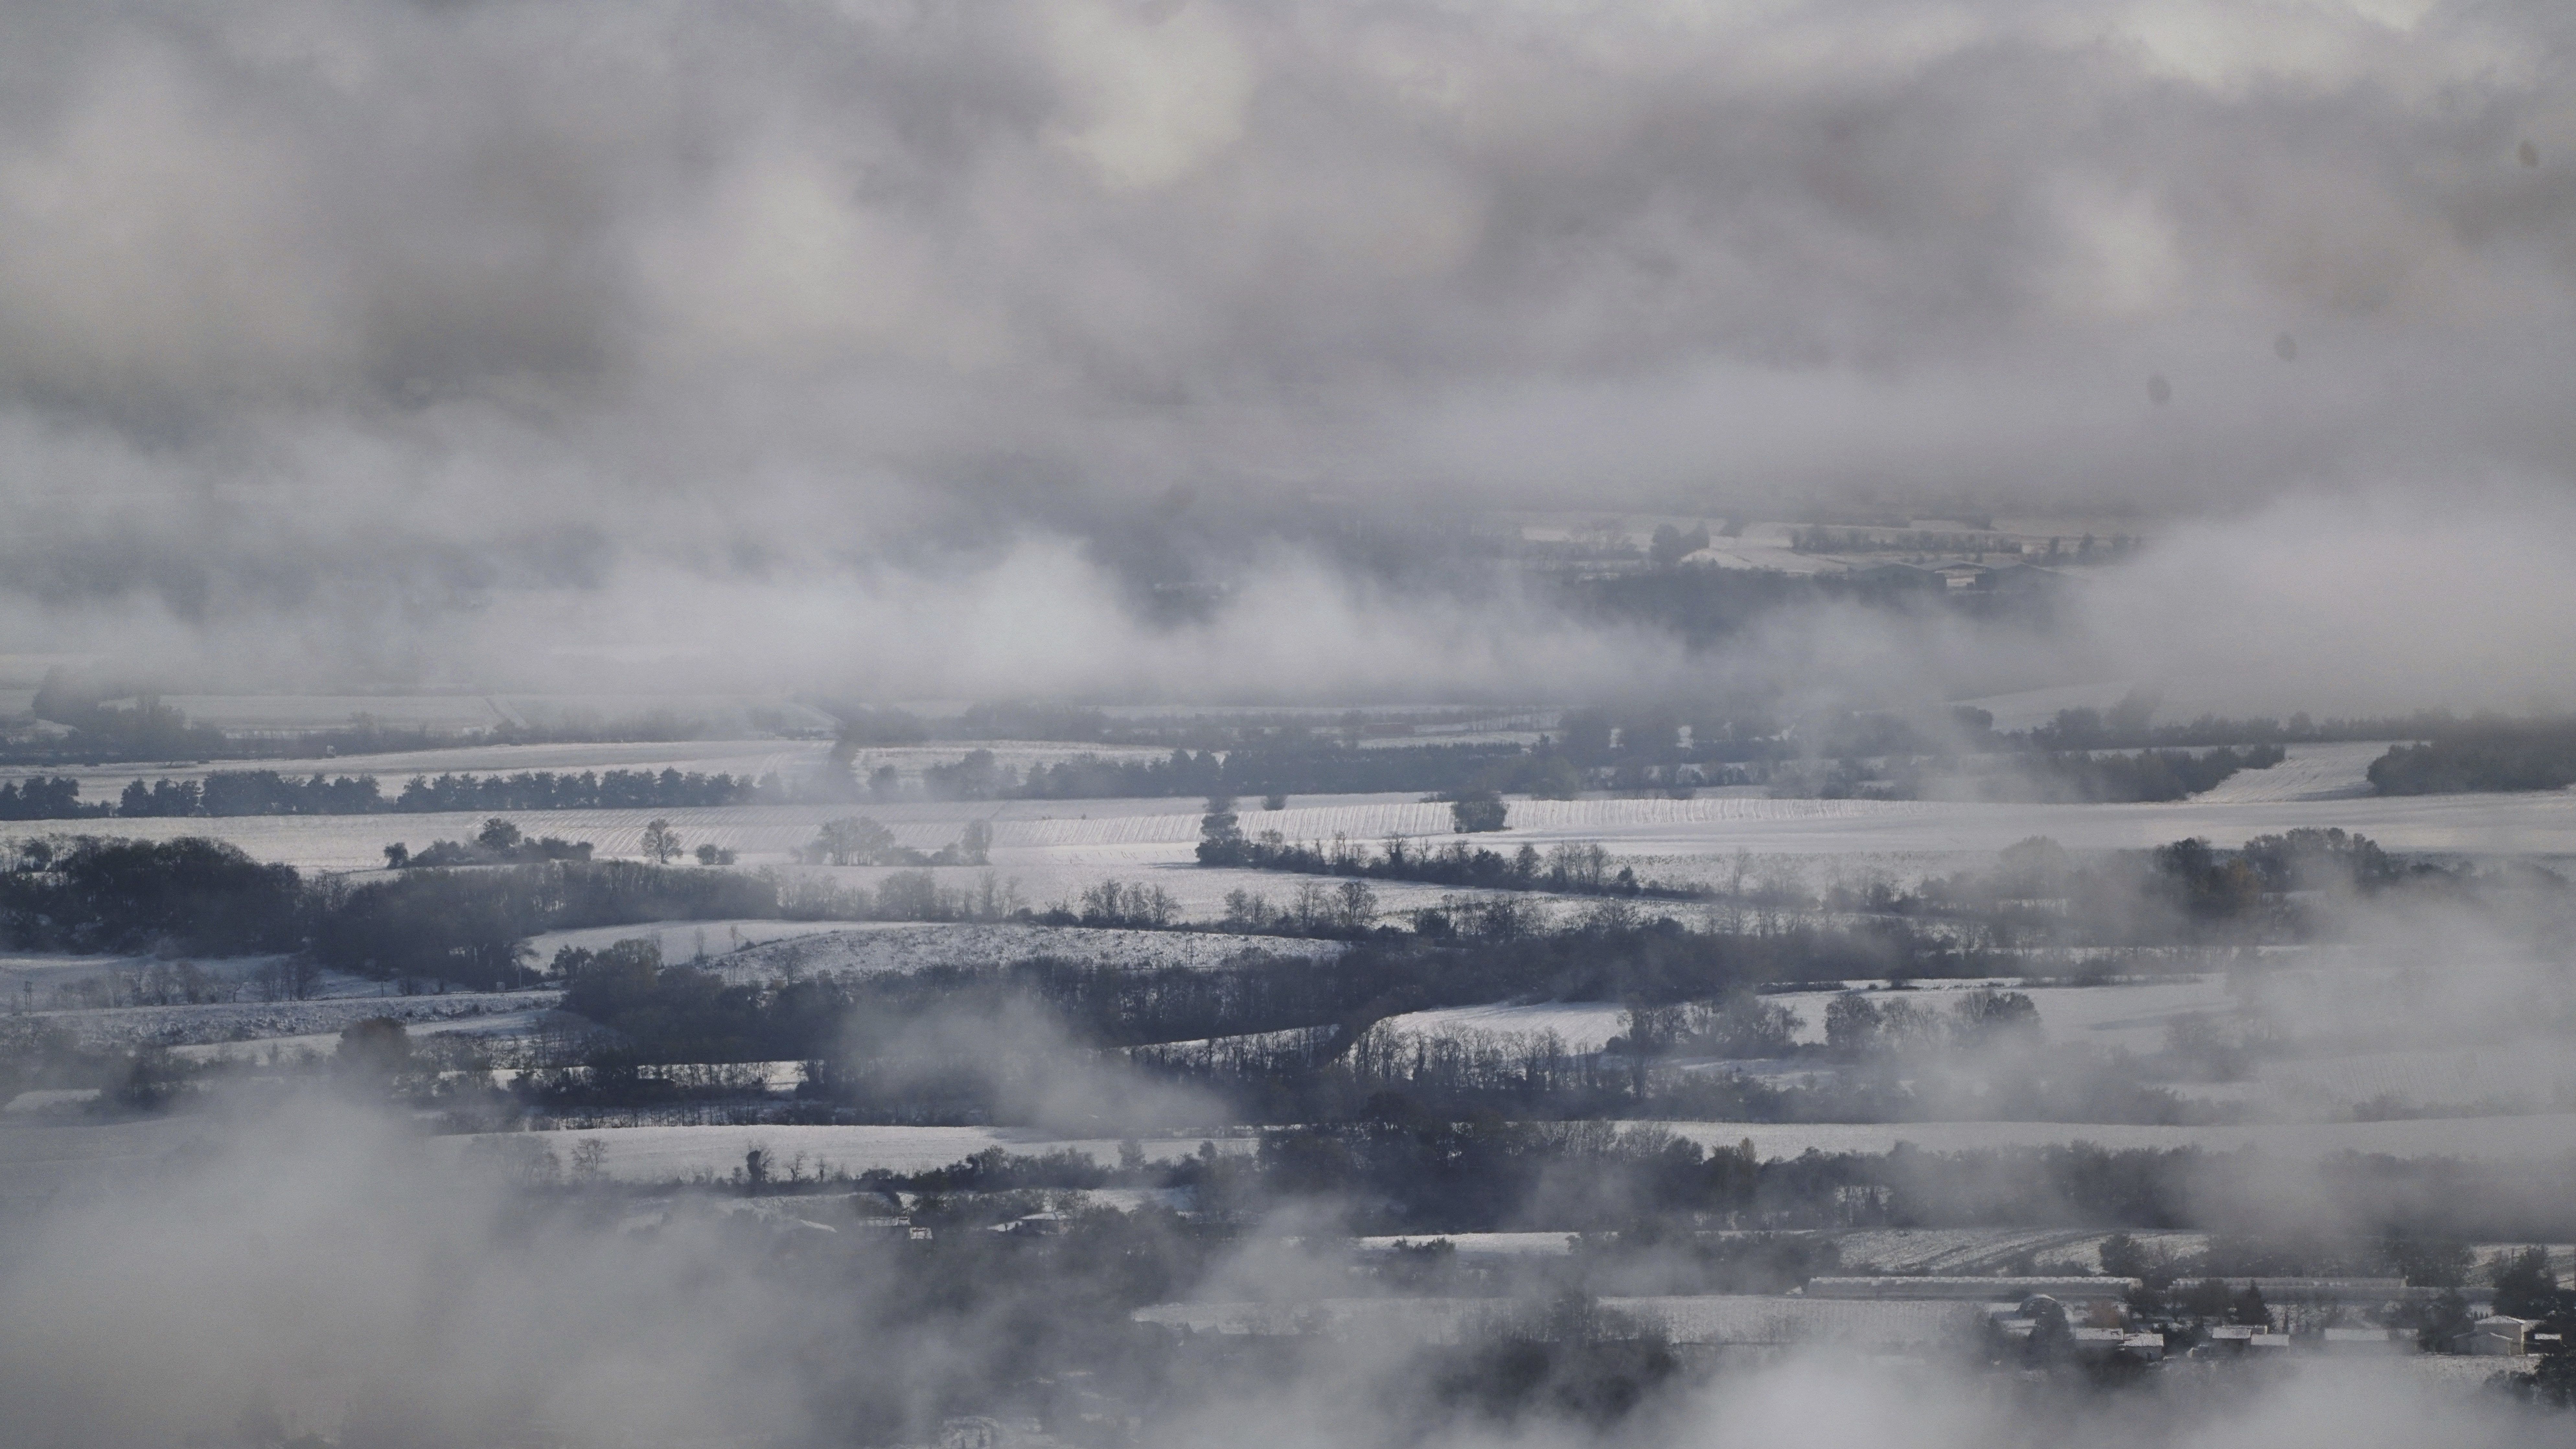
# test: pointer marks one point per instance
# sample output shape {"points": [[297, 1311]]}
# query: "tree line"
{"points": [[266, 792], [1266, 770]]}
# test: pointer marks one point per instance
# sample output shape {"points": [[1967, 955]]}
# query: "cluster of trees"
{"points": [[2149, 775], [2489, 756], [162, 798], [858, 840], [1739, 1025], [469, 926], [2209, 884], [203, 897], [1671, 543], [1314, 909], [1858, 1024], [2110, 779], [1124, 905], [40, 798], [500, 842], [265, 792], [2186, 892], [679, 1013]]}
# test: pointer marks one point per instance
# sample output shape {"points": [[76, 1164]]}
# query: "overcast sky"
{"points": [[398, 334]]}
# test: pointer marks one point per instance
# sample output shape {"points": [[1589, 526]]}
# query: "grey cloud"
{"points": [[428, 316], [1114, 215]]}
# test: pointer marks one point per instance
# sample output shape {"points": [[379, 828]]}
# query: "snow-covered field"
{"points": [[2308, 772], [679, 940], [2133, 1016], [1481, 1245], [896, 946], [1582, 1026], [754, 950], [260, 1021], [1977, 1251]]}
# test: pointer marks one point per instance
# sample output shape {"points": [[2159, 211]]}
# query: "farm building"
{"points": [[2498, 1336]]}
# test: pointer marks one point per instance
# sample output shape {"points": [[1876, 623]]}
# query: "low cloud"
{"points": [[368, 334]]}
